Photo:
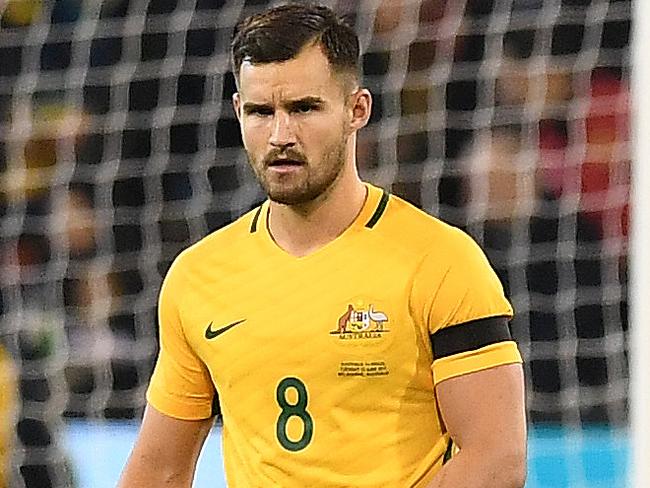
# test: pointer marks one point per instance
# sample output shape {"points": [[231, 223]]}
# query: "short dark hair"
{"points": [[279, 34]]}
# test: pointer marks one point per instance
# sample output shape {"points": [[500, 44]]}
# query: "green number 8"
{"points": [[299, 409]]}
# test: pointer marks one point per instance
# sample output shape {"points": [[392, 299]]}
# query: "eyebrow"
{"points": [[305, 101], [250, 107]]}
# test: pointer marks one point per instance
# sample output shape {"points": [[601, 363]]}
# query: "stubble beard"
{"points": [[311, 182]]}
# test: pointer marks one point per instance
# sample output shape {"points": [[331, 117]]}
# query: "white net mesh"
{"points": [[119, 147]]}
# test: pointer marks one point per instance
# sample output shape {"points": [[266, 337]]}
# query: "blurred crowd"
{"points": [[519, 135]]}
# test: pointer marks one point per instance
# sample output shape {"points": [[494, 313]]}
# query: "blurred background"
{"points": [[119, 147]]}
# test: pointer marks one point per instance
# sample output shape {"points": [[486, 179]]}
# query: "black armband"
{"points": [[470, 336]]}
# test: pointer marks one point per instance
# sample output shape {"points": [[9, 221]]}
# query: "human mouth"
{"points": [[285, 165]]}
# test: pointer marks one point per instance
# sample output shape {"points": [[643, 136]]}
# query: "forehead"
{"points": [[308, 74]]}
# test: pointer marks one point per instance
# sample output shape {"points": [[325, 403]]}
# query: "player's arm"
{"points": [[181, 401], [485, 416], [476, 367], [165, 452]]}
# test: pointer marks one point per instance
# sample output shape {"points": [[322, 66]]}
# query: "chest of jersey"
{"points": [[322, 317], [337, 321]]}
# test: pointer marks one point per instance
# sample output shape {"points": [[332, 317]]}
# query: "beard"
{"points": [[308, 182]]}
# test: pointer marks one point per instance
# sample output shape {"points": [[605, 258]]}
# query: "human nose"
{"points": [[282, 133]]}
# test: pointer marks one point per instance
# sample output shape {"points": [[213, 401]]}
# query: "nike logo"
{"points": [[211, 333]]}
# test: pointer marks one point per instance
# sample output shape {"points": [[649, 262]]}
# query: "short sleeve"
{"points": [[180, 386], [456, 286]]}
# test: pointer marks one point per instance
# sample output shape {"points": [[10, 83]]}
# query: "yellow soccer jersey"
{"points": [[324, 366]]}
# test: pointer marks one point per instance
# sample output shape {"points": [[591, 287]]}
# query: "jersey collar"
{"points": [[371, 212]]}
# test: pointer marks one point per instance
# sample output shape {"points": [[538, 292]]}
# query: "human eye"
{"points": [[263, 112], [305, 107]]}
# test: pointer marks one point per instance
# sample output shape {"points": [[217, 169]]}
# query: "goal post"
{"points": [[640, 251]]}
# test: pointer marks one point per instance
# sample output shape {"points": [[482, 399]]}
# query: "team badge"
{"points": [[361, 323]]}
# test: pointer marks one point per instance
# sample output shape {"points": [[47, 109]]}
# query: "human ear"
{"points": [[361, 108], [236, 104]]}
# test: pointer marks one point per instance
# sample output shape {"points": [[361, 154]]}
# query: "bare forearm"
{"points": [[141, 472], [165, 452], [470, 469]]}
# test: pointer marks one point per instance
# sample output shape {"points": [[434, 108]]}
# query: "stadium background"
{"points": [[119, 147]]}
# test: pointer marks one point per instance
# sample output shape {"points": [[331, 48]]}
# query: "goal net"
{"points": [[119, 147]]}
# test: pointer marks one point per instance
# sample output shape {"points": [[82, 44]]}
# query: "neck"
{"points": [[303, 229]]}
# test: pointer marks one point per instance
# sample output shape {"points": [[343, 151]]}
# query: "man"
{"points": [[346, 338]]}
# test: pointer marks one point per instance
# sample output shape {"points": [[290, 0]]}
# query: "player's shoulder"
{"points": [[437, 245], [220, 244], [416, 227]]}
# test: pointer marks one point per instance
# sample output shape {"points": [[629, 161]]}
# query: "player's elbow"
{"points": [[510, 469]]}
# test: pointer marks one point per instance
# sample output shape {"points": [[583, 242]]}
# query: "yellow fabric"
{"points": [[325, 378], [8, 394], [486, 357]]}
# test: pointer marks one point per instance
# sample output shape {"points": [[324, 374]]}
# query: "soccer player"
{"points": [[345, 338]]}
